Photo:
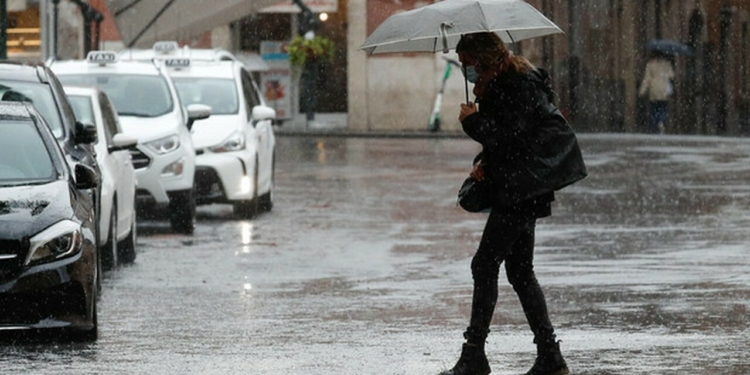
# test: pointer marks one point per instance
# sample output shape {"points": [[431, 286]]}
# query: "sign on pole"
{"points": [[276, 82]]}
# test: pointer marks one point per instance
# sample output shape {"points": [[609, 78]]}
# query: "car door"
{"points": [[263, 134], [122, 167]]}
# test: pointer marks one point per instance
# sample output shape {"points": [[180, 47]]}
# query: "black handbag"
{"points": [[476, 196], [549, 160]]}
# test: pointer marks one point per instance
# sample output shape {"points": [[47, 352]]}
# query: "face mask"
{"points": [[471, 74]]}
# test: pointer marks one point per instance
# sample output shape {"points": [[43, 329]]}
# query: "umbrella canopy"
{"points": [[669, 47], [438, 27], [141, 23]]}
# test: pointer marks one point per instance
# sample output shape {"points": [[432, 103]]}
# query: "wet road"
{"points": [[362, 267]]}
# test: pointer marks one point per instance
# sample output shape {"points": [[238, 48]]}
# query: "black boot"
{"points": [[473, 361], [549, 360]]}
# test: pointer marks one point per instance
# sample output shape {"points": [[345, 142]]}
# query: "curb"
{"points": [[343, 133]]}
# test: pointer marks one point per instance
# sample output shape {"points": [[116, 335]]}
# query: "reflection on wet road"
{"points": [[362, 267]]}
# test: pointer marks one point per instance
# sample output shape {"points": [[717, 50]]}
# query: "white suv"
{"points": [[235, 147], [150, 109]]}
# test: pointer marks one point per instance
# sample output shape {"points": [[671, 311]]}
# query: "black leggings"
{"points": [[510, 238]]}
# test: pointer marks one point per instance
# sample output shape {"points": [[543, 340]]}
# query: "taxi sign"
{"points": [[101, 57], [177, 63], [166, 46]]}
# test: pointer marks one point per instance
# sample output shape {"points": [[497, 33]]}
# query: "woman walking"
{"points": [[512, 96], [658, 86]]}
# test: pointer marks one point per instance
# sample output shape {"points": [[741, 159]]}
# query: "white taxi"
{"points": [[235, 146], [150, 109], [117, 214]]}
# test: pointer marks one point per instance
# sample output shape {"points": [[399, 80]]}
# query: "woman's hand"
{"points": [[477, 173], [467, 110]]}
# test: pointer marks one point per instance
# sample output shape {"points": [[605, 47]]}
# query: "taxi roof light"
{"points": [[101, 57], [177, 63], [166, 46]]}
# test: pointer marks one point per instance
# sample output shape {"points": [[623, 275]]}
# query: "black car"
{"points": [[38, 85], [48, 252]]}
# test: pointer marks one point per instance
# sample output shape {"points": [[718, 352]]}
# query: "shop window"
{"points": [[24, 32]]}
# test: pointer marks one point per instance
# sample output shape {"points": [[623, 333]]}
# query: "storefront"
{"points": [[24, 31]]}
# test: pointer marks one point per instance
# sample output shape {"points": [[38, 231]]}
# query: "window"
{"points": [[132, 95], [219, 94], [24, 158], [251, 95], [109, 116], [38, 94]]}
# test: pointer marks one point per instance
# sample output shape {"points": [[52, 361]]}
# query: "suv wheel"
{"points": [[182, 211], [109, 255], [126, 248], [266, 200]]}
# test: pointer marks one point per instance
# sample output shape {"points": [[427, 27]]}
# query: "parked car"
{"points": [[38, 85], [118, 184], [235, 147], [150, 109], [48, 252]]}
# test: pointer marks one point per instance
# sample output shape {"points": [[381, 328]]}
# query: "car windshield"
{"points": [[219, 94], [38, 94], [132, 95], [24, 158]]}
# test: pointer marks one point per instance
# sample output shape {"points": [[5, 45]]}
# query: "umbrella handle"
{"points": [[466, 85]]}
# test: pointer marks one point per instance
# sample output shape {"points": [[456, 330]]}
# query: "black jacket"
{"points": [[511, 106]]}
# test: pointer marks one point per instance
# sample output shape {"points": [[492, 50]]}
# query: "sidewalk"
{"points": [[336, 125]]}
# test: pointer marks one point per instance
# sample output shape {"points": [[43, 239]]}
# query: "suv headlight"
{"points": [[234, 142], [57, 241], [164, 145]]}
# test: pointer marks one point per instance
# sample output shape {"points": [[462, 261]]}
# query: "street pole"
{"points": [[308, 27], [3, 30], [55, 16]]}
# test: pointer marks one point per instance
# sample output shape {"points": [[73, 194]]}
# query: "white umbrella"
{"points": [[438, 27]]}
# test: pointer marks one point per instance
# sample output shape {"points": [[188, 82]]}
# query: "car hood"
{"points": [[27, 210], [150, 128], [214, 130]]}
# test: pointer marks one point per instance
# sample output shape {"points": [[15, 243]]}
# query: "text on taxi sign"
{"points": [[177, 63], [165, 46], [101, 57]]}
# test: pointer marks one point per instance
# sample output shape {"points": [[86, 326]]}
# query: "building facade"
{"points": [[597, 66]]}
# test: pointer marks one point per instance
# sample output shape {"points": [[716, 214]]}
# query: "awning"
{"points": [[142, 22], [316, 6]]}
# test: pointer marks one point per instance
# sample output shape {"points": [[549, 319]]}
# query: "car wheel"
{"points": [[182, 211], [109, 255], [126, 248], [247, 209], [91, 334], [266, 200]]}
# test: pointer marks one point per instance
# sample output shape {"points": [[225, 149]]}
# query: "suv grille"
{"points": [[140, 160], [12, 256]]}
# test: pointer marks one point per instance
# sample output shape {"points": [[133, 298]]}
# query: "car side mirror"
{"points": [[261, 113], [197, 112], [85, 133], [86, 177], [122, 142]]}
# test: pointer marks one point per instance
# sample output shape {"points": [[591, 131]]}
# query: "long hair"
{"points": [[491, 52]]}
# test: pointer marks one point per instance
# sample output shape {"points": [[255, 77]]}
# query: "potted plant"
{"points": [[302, 50]]}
